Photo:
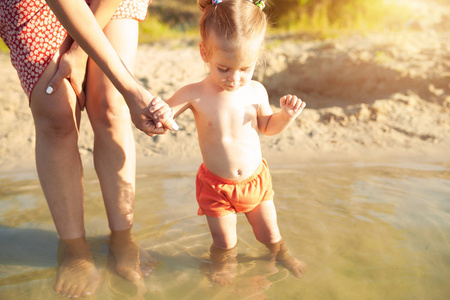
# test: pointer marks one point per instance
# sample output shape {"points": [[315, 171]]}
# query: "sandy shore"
{"points": [[379, 96]]}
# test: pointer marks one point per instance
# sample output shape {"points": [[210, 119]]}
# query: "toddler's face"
{"points": [[231, 67]]}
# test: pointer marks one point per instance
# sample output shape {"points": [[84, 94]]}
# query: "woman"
{"points": [[53, 73]]}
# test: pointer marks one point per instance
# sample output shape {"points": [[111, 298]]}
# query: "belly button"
{"points": [[239, 172]]}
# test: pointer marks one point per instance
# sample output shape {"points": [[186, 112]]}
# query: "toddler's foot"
{"points": [[133, 263], [223, 265], [280, 252], [296, 266], [77, 274]]}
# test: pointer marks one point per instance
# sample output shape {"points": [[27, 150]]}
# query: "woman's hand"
{"points": [[163, 113], [72, 66], [149, 114]]}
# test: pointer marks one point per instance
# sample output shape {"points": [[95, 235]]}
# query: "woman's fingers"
{"points": [[56, 80]]}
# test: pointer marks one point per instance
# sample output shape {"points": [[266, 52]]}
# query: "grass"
{"points": [[314, 18], [3, 47], [325, 19], [170, 19], [152, 30]]}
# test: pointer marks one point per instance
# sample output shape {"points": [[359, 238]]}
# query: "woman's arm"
{"points": [[80, 23], [103, 10], [72, 64]]}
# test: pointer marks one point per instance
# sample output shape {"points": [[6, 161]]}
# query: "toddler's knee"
{"points": [[269, 238], [225, 245], [224, 242]]}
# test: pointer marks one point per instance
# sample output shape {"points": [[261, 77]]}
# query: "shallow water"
{"points": [[367, 231]]}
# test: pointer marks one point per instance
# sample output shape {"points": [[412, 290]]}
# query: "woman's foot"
{"points": [[133, 263], [77, 275]]}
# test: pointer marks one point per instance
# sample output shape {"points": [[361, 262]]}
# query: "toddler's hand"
{"points": [[162, 114], [291, 105]]}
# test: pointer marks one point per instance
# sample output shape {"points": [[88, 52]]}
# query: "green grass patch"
{"points": [[312, 18], [170, 19], [333, 18], [173, 19], [152, 30], [3, 47]]}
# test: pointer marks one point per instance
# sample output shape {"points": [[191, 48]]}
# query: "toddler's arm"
{"points": [[291, 106], [171, 108]]}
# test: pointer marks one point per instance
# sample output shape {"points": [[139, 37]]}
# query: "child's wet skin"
{"points": [[280, 253], [223, 267]]}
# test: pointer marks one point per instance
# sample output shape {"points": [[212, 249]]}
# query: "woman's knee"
{"points": [[109, 112], [54, 116]]}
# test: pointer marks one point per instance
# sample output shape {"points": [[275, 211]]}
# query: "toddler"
{"points": [[230, 109]]}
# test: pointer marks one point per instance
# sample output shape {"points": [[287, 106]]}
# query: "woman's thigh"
{"points": [[101, 94], [59, 110], [123, 35]]}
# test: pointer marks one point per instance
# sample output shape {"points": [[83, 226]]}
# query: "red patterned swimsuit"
{"points": [[34, 35]]}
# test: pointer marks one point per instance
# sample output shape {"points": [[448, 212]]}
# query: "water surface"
{"points": [[367, 231]]}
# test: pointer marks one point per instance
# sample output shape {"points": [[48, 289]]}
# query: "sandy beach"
{"points": [[373, 97]]}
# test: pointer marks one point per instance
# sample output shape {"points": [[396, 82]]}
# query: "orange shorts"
{"points": [[34, 35], [218, 197]]}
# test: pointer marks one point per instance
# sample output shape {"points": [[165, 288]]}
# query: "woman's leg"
{"points": [[114, 150], [60, 172], [263, 220]]}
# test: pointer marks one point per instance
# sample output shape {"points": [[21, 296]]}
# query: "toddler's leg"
{"points": [[223, 231], [223, 266], [223, 250], [280, 252], [264, 223]]}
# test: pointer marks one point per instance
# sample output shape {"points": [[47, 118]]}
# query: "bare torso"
{"points": [[227, 128]]}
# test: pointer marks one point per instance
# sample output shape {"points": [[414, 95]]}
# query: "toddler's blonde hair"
{"points": [[236, 21]]}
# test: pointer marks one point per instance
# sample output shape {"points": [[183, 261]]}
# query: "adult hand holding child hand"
{"points": [[163, 114], [143, 115]]}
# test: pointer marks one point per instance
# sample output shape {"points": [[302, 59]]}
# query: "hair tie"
{"points": [[215, 2], [260, 4]]}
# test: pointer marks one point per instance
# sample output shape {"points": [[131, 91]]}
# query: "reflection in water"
{"points": [[367, 231]]}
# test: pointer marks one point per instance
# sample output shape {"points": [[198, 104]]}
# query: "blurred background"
{"points": [[308, 18]]}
